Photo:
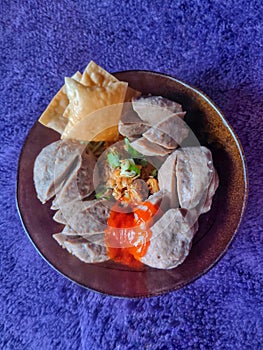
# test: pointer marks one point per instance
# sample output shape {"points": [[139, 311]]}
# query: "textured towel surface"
{"points": [[214, 45]]}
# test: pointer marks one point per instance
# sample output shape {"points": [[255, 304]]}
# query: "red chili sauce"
{"points": [[128, 234]]}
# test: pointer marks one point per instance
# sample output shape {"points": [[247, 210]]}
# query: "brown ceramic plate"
{"points": [[217, 227]]}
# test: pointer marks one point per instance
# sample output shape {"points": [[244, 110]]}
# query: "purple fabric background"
{"points": [[214, 45]]}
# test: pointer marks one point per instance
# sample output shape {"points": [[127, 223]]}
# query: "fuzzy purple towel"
{"points": [[214, 45]]}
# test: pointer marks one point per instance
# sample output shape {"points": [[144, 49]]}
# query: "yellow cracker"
{"points": [[100, 125], [96, 75], [84, 100], [53, 117]]}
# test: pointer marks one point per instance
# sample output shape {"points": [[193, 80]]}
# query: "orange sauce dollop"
{"points": [[128, 234]]}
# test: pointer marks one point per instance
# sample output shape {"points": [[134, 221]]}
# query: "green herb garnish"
{"points": [[142, 162], [131, 150], [154, 173], [129, 168], [113, 159], [138, 157], [101, 192]]}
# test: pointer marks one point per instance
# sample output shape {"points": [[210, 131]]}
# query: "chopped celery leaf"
{"points": [[129, 168], [131, 150], [113, 160]]}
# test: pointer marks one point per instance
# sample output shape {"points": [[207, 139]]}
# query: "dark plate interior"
{"points": [[217, 227]]}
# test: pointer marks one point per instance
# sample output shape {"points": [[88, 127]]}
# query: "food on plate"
{"points": [[122, 183], [97, 97], [144, 106], [169, 249], [194, 172], [169, 133], [148, 148], [85, 250], [53, 115], [128, 234], [130, 125], [69, 105], [54, 165], [88, 217], [190, 179], [79, 184]]}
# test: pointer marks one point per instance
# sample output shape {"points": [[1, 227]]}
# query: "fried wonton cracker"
{"points": [[52, 117], [100, 125], [84, 100], [96, 75]]}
